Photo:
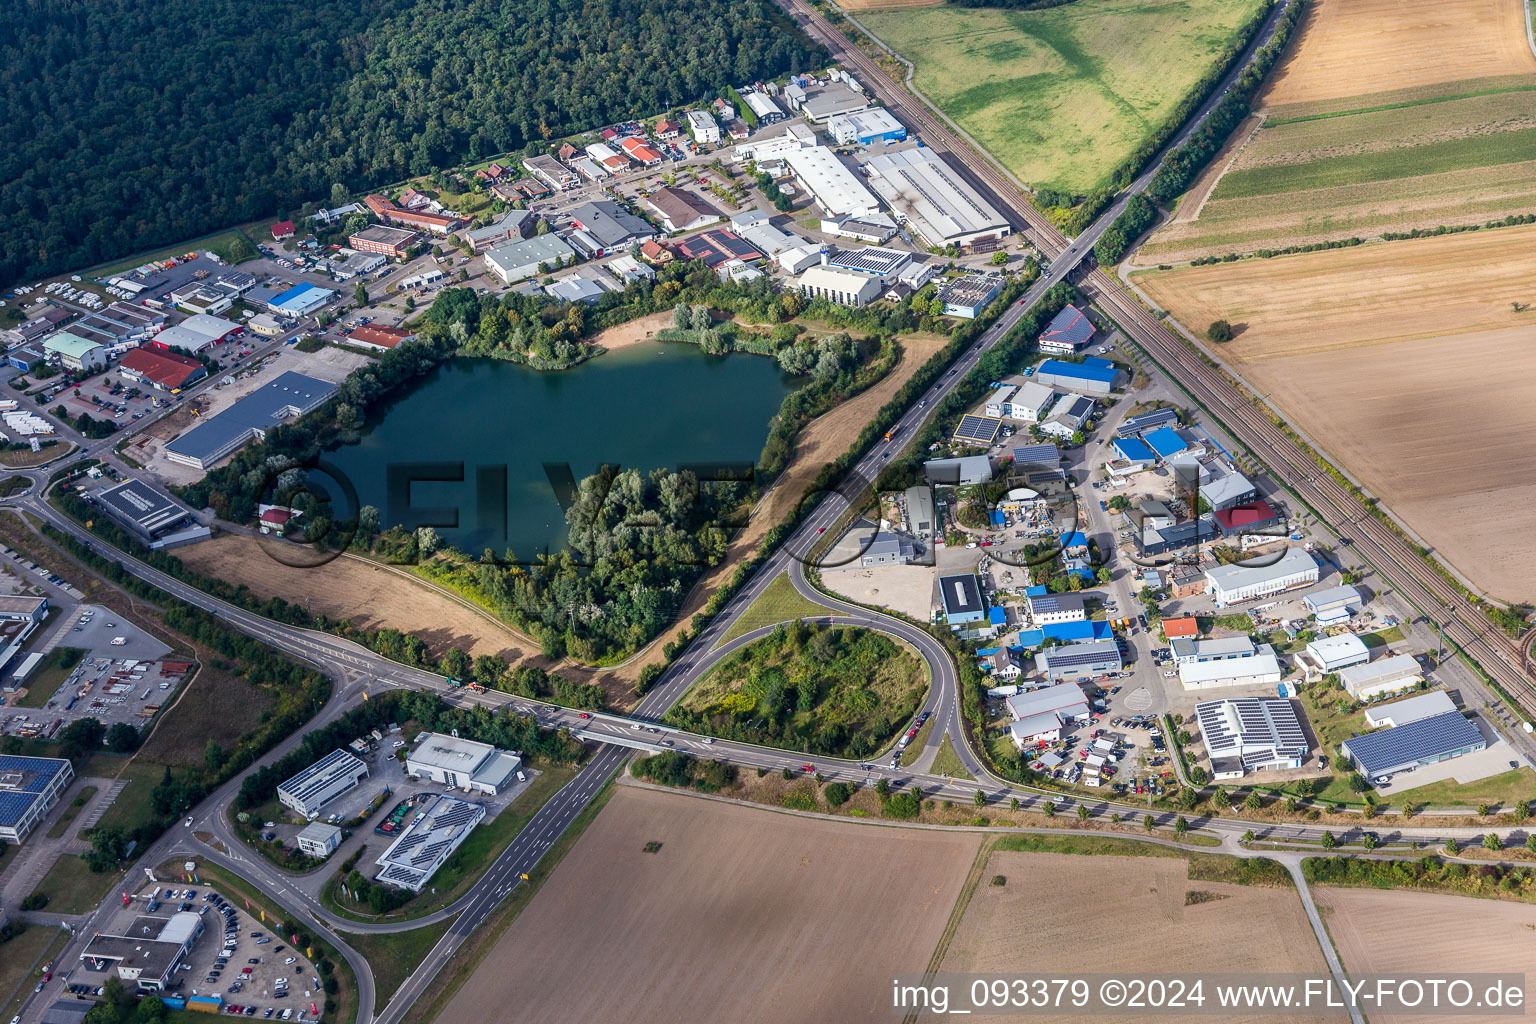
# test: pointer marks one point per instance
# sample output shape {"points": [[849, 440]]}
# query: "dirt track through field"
{"points": [[742, 915], [1359, 47], [1427, 935], [1409, 365], [1071, 913]]}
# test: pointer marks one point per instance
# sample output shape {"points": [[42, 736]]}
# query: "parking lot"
{"points": [[239, 959], [117, 690]]}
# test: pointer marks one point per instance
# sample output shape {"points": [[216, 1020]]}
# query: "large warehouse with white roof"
{"points": [[938, 204], [828, 179]]}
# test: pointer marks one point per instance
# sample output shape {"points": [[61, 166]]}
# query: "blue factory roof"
{"points": [[997, 518], [1072, 632], [1166, 442], [1134, 449], [32, 774], [1073, 540], [998, 616], [289, 393], [1093, 368], [1037, 590], [301, 297], [1415, 742]]}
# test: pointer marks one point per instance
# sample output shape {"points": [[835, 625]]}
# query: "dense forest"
{"points": [[131, 125]]}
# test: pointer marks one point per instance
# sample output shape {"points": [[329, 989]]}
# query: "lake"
{"points": [[488, 442]]}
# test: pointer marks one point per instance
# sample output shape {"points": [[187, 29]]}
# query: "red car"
{"points": [[821, 529], [807, 767], [583, 715]]}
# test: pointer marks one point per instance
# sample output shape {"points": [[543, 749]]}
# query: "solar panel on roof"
{"points": [[978, 428]]}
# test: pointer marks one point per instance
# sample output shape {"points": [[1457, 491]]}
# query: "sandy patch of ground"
{"points": [[1408, 364], [633, 332], [1427, 934], [1044, 918], [1357, 47], [907, 589], [369, 595], [741, 915]]}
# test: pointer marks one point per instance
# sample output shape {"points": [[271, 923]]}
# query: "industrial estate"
{"points": [[971, 436]]}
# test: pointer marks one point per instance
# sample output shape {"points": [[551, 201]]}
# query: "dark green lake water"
{"points": [[511, 428]]}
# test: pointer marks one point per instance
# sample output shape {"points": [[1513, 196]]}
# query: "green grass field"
{"points": [[1062, 96], [73, 888], [20, 961], [50, 675], [779, 602], [394, 955], [947, 762]]}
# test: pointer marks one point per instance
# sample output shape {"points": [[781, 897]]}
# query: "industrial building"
{"points": [[511, 226], [577, 287], [1092, 376], [1409, 709], [1041, 456], [1079, 661], [1391, 674], [196, 333], [1223, 487], [1069, 330], [300, 300], [1406, 747], [427, 842], [308, 792], [395, 243], [967, 296], [762, 106], [1039, 715], [961, 472], [978, 431], [463, 764], [681, 210], [961, 596], [1148, 421], [29, 787], [550, 171], [844, 287], [835, 188], [1070, 416], [164, 371], [1251, 517], [1259, 667], [870, 228], [886, 264], [75, 353], [318, 839], [288, 396], [886, 549], [381, 339], [792, 253], [1027, 401], [1331, 654], [920, 512], [866, 128], [1154, 538], [148, 955], [151, 516], [936, 202], [1045, 609], [1251, 734], [609, 225], [821, 103], [1333, 605], [1233, 584], [515, 261], [715, 247], [1189, 651]]}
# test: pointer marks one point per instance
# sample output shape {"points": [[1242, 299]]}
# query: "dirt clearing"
{"points": [[371, 596], [1051, 902], [1412, 378], [1358, 47], [1427, 934], [741, 915], [634, 332]]}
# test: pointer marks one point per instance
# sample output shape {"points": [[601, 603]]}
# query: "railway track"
{"points": [[1503, 657]]}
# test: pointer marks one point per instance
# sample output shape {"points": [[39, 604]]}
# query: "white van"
{"points": [[521, 777]]}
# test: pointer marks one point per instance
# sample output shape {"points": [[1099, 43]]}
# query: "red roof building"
{"points": [[276, 516], [436, 223], [163, 370], [666, 129], [380, 205], [282, 229], [655, 252], [413, 200], [608, 134], [1184, 626], [385, 338], [491, 173], [567, 151], [1250, 518], [640, 153]]}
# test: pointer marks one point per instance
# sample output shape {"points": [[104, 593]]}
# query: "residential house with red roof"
{"points": [[282, 229]]}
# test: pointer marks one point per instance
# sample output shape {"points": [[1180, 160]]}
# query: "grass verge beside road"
{"points": [[470, 861], [21, 959], [947, 762], [393, 956], [919, 742], [779, 602], [473, 952]]}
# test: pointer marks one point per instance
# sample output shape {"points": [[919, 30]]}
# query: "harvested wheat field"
{"points": [[873, 5], [1039, 919], [1427, 934], [741, 915], [369, 595], [1358, 47], [1407, 363]]}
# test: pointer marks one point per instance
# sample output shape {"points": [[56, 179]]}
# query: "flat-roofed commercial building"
{"points": [[1045, 609], [1422, 742], [1332, 653], [29, 787], [288, 396], [1386, 675], [1040, 714], [318, 839], [1409, 709], [1251, 734], [145, 512], [844, 287], [1260, 667], [427, 842], [148, 955], [1079, 661], [961, 598], [395, 243], [308, 792], [1232, 584], [1335, 604], [464, 764], [829, 181], [516, 261], [936, 202]]}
